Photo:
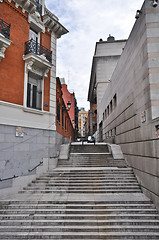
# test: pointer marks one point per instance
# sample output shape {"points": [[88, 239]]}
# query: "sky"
{"points": [[88, 21]]}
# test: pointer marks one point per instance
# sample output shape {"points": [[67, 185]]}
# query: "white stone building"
{"points": [[128, 114]]}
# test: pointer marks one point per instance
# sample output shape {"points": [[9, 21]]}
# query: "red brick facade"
{"points": [[12, 67], [63, 121]]}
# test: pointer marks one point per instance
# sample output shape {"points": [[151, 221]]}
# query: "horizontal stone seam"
{"points": [[127, 131], [150, 191], [120, 115], [144, 172], [139, 141]]}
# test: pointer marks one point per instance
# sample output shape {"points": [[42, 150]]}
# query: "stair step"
{"points": [[124, 214], [73, 222], [82, 228], [75, 217], [76, 206], [79, 235]]}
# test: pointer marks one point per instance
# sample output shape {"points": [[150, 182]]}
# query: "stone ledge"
{"points": [[115, 150]]}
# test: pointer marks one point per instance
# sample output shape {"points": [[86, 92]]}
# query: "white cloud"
{"points": [[87, 22]]}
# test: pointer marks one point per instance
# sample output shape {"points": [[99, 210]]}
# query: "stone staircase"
{"points": [[89, 196]]}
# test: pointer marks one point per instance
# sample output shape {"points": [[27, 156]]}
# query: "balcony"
{"points": [[38, 59], [33, 47], [5, 29]]}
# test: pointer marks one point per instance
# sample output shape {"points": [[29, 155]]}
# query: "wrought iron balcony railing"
{"points": [[32, 46], [5, 28]]}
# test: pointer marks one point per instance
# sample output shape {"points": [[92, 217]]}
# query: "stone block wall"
{"points": [[131, 121], [19, 154]]}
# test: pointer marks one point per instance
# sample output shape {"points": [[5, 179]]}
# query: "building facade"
{"points": [[28, 37], [64, 124], [82, 119], [106, 56], [69, 97], [129, 111], [94, 121]]}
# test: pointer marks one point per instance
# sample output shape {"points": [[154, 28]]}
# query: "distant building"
{"points": [[69, 97], [106, 56], [93, 119], [82, 118], [64, 124]]}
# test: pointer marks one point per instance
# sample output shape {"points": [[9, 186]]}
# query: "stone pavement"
{"points": [[89, 196]]}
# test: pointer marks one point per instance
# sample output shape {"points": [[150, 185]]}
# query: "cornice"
{"points": [[52, 23], [26, 5]]}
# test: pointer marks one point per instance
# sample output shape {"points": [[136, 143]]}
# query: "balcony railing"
{"points": [[32, 46], [5, 28]]}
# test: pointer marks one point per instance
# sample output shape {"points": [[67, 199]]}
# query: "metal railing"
{"points": [[32, 169], [32, 46], [15, 176], [9, 178], [5, 28]]}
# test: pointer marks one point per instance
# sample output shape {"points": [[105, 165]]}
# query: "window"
{"points": [[65, 123], [34, 35], [34, 38], [111, 106], [58, 111], [115, 100], [34, 91], [62, 117], [108, 110]]}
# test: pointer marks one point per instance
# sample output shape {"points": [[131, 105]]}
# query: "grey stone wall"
{"points": [[135, 81], [19, 154]]}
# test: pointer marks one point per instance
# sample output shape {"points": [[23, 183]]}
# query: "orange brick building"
{"points": [[70, 97], [28, 39], [64, 124]]}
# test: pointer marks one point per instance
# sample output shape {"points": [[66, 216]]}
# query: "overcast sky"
{"points": [[87, 22]]}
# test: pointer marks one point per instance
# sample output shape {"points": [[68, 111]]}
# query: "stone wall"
{"points": [[19, 154], [131, 120]]}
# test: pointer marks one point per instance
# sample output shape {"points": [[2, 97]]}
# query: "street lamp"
{"points": [[155, 3], [68, 106]]}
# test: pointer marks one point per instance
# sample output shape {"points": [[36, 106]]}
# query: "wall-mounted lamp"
{"points": [[68, 106], [157, 127], [155, 3], [138, 12]]}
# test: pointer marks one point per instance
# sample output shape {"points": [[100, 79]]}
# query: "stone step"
{"points": [[81, 228], [88, 170], [79, 235], [73, 222], [78, 191], [89, 148], [109, 175], [78, 211], [76, 217], [136, 199], [77, 206], [84, 184], [86, 180]]}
